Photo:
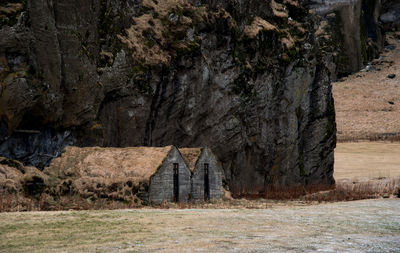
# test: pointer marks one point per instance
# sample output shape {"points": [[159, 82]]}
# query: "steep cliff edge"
{"points": [[246, 78], [355, 30]]}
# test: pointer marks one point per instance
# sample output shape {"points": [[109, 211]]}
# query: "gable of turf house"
{"points": [[151, 174], [171, 182], [206, 173]]}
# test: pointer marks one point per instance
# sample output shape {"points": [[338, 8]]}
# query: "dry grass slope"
{"points": [[368, 103]]}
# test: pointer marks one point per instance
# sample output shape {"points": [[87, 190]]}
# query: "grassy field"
{"points": [[367, 160], [362, 226], [231, 226]]}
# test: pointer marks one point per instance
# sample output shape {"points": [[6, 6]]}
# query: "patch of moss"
{"points": [[137, 69], [189, 48], [84, 45], [238, 56], [293, 53], [140, 76], [243, 88], [262, 65]]}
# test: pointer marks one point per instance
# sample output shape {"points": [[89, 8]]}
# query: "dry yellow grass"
{"points": [[94, 173], [137, 164], [10, 179], [11, 8], [13, 177], [153, 38], [258, 25], [367, 160], [367, 169], [165, 7], [190, 155], [368, 103], [135, 40]]}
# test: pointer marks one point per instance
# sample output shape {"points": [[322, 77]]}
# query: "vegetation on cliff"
{"points": [[246, 78]]}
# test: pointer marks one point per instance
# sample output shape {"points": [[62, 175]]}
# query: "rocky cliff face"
{"points": [[246, 78], [390, 17], [353, 30]]}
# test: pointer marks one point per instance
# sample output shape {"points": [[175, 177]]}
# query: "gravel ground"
{"points": [[358, 226]]}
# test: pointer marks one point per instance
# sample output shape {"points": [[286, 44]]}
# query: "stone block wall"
{"points": [[162, 185], [215, 177]]}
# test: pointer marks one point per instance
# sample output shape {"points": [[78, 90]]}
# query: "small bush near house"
{"points": [[33, 185]]}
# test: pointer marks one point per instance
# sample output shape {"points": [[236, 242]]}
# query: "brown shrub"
{"points": [[349, 190], [392, 137], [342, 191]]}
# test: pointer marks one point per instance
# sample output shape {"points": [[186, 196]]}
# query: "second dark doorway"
{"points": [[206, 183], [176, 182]]}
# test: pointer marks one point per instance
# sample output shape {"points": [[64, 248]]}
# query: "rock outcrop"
{"points": [[353, 31], [246, 78]]}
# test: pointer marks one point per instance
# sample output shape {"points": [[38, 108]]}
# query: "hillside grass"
{"points": [[367, 103], [367, 160]]}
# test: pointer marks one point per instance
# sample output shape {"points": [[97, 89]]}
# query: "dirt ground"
{"points": [[368, 102], [358, 226]]}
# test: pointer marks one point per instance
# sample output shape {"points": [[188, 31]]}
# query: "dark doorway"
{"points": [[206, 183], [176, 182]]}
